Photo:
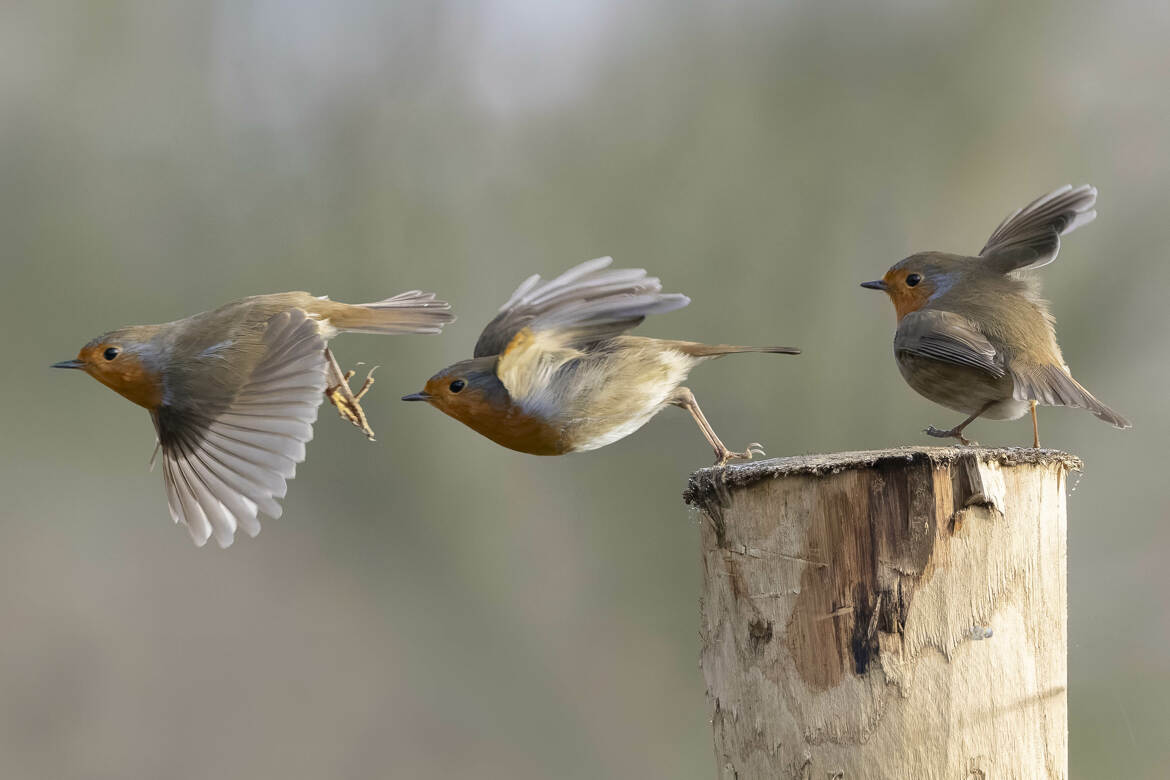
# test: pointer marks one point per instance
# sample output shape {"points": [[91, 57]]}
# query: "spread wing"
{"points": [[1030, 237], [222, 467], [545, 324], [587, 303], [528, 366], [949, 337]]}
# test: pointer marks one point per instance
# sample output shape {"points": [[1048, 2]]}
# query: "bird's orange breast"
{"points": [[906, 299], [510, 427]]}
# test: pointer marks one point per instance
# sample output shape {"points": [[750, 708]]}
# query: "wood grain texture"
{"points": [[888, 614]]}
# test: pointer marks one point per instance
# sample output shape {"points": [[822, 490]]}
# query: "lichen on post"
{"points": [[889, 614]]}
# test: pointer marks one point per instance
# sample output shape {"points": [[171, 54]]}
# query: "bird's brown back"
{"points": [[1007, 309]]}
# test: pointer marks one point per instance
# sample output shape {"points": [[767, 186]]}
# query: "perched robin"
{"points": [[233, 394], [973, 332], [555, 373]]}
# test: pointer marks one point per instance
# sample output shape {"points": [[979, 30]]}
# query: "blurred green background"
{"points": [[434, 605]]}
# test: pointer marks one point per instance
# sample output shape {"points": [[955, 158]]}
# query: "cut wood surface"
{"points": [[888, 614]]}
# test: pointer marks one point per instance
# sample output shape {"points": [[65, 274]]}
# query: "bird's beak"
{"points": [[876, 285], [75, 363], [421, 395]]}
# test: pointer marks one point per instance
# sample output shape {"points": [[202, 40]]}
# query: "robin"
{"points": [[233, 394], [555, 372], [973, 332]]}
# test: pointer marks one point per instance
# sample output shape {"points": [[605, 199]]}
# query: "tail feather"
{"points": [[718, 350], [1053, 386], [408, 312]]}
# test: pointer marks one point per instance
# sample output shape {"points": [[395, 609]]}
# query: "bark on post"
{"points": [[889, 614]]}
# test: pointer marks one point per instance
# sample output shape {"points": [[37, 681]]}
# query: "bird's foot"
{"points": [[752, 450], [348, 402], [953, 433]]}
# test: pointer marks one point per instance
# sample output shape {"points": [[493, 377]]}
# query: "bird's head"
{"points": [[471, 392], [465, 390], [913, 282], [122, 360]]}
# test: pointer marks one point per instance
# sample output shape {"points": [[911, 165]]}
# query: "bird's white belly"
{"points": [[1008, 410], [619, 431], [639, 403]]}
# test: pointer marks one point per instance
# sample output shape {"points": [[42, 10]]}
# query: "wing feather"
{"points": [[197, 523], [222, 470], [259, 449], [234, 503], [240, 482], [289, 426], [219, 522], [949, 337], [528, 366], [589, 300], [1030, 237]]}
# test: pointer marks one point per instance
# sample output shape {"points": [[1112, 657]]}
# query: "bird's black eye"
{"points": [[457, 385], [912, 280], [111, 353]]}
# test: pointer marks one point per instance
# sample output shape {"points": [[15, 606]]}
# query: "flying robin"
{"points": [[233, 394], [555, 373], [973, 332]]}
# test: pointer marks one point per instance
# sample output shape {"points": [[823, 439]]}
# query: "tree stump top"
{"points": [[887, 614], [714, 481]]}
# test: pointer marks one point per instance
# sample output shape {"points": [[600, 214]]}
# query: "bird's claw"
{"points": [[953, 433], [751, 451], [366, 385], [348, 402]]}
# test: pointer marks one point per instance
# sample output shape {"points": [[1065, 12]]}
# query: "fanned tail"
{"points": [[408, 312], [1053, 386]]}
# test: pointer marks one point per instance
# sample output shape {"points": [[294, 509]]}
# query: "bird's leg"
{"points": [[1035, 428], [340, 395], [685, 399], [957, 431]]}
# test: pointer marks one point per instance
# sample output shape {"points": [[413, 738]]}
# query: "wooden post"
{"points": [[889, 614]]}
